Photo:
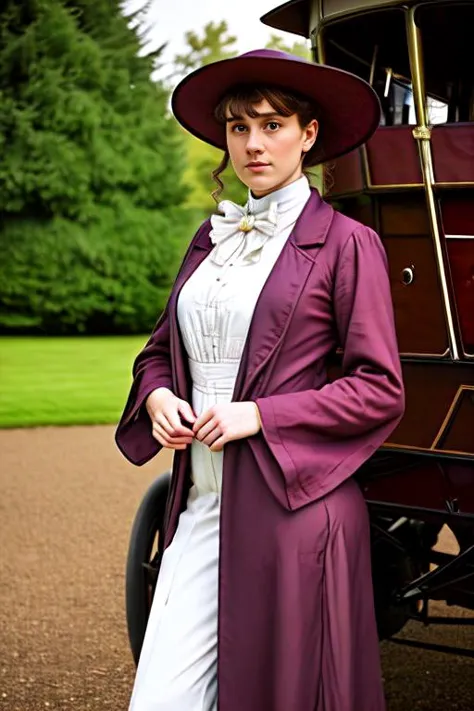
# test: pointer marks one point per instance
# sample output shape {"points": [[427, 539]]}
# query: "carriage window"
{"points": [[399, 107], [446, 30], [374, 46]]}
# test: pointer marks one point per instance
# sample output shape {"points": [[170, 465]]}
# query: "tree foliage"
{"points": [[113, 277], [90, 179], [298, 48], [214, 45]]}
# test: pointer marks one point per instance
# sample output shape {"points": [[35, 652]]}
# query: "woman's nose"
{"points": [[254, 141]]}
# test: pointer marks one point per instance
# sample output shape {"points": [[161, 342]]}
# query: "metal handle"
{"points": [[408, 275]]}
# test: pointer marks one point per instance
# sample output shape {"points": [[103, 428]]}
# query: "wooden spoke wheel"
{"points": [[143, 561]]}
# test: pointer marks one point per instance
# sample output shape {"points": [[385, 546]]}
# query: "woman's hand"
{"points": [[165, 410], [225, 422]]}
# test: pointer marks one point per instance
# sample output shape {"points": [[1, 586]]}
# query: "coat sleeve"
{"points": [[152, 369], [321, 436]]}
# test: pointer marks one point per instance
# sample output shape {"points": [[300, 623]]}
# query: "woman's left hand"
{"points": [[225, 422]]}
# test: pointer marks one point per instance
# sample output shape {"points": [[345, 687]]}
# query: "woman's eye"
{"points": [[273, 125], [238, 128]]}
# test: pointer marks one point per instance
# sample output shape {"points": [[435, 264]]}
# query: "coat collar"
{"points": [[312, 226]]}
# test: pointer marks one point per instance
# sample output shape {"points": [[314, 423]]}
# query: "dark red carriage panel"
{"points": [[461, 259], [458, 224], [437, 412], [404, 214], [428, 486], [453, 153], [359, 207], [419, 314], [457, 436], [344, 175], [458, 212], [393, 157]]}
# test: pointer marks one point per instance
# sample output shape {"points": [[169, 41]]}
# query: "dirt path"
{"points": [[67, 502]]}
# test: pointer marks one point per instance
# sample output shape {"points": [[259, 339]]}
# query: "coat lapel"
{"points": [[281, 292]]}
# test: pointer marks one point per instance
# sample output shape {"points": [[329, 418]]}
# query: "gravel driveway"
{"points": [[68, 499]]}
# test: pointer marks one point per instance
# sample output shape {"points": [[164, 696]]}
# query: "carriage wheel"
{"points": [[398, 557], [142, 561]]}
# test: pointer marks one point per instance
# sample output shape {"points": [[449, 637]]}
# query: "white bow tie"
{"points": [[239, 234]]}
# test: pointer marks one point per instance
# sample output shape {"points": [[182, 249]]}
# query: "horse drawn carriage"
{"points": [[413, 182]]}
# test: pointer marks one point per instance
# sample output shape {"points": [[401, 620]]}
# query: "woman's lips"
{"points": [[257, 168]]}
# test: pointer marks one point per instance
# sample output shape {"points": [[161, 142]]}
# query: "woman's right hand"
{"points": [[165, 410]]}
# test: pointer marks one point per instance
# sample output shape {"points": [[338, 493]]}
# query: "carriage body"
{"points": [[413, 182]]}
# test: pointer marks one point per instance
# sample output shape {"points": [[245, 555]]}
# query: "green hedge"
{"points": [[113, 276]]}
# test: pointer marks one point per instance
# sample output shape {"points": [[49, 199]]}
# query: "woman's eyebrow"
{"points": [[268, 114]]}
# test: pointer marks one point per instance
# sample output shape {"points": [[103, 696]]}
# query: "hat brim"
{"points": [[349, 107]]}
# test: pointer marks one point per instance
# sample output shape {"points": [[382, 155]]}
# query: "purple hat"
{"points": [[349, 110]]}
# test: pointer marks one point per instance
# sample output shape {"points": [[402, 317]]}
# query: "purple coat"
{"points": [[296, 619]]}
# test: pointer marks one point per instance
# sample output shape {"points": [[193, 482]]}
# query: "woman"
{"points": [[264, 598]]}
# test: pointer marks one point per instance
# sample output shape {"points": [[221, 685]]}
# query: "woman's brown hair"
{"points": [[242, 100]]}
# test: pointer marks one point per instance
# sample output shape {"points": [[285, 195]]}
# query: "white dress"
{"points": [[177, 670]]}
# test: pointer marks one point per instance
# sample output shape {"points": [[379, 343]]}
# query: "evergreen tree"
{"points": [[90, 177], [214, 45]]}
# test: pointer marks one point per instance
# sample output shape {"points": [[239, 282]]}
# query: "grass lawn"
{"points": [[65, 381]]}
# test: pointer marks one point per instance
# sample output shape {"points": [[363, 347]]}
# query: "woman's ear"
{"points": [[310, 135]]}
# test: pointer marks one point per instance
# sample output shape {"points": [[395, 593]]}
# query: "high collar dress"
{"points": [[177, 670]]}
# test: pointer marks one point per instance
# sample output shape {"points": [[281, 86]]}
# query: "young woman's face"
{"points": [[267, 151]]}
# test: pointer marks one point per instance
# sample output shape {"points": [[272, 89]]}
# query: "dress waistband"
{"points": [[215, 376]]}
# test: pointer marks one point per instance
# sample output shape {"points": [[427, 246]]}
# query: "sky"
{"points": [[170, 19]]}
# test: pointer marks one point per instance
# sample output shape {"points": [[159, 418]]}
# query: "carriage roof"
{"points": [[357, 28], [302, 16]]}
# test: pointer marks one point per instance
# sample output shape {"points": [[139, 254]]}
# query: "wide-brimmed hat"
{"points": [[349, 109]]}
